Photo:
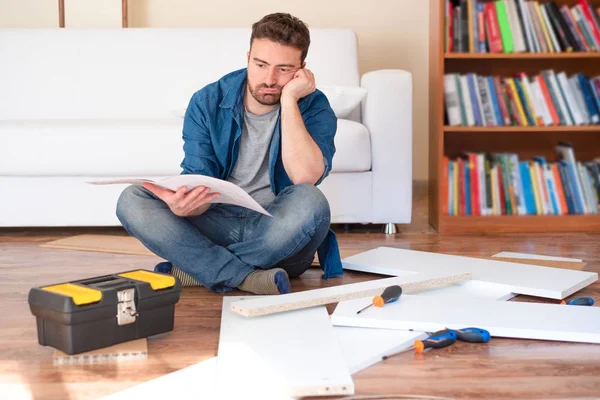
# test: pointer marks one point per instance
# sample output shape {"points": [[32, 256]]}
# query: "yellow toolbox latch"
{"points": [[81, 295], [156, 281]]}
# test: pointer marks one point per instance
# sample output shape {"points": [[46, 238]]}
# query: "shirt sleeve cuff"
{"points": [[326, 171]]}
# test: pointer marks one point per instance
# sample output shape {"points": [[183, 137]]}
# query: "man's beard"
{"points": [[265, 99]]}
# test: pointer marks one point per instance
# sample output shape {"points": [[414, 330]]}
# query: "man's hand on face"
{"points": [[183, 204], [302, 84]]}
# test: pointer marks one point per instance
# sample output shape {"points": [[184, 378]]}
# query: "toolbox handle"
{"points": [[107, 282], [100, 279], [116, 285]]}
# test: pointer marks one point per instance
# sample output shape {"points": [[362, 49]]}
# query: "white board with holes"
{"points": [[510, 319], [554, 283], [291, 354]]}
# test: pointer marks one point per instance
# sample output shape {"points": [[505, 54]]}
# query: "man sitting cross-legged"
{"points": [[267, 129]]}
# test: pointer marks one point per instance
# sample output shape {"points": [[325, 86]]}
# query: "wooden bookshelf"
{"points": [[524, 224], [525, 141], [521, 56], [520, 129]]}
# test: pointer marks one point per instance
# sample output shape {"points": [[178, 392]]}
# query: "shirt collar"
{"points": [[235, 92]]}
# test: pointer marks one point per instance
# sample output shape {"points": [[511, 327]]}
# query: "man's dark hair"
{"points": [[284, 29]]}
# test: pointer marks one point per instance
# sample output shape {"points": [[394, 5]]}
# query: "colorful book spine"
{"points": [[482, 184]]}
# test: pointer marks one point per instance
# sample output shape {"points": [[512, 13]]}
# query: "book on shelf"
{"points": [[546, 99], [515, 26], [483, 184]]}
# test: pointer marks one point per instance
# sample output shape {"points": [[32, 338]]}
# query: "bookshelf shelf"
{"points": [[525, 224], [520, 129], [447, 141], [521, 56]]}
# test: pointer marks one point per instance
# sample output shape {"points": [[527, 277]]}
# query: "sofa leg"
{"points": [[390, 229]]}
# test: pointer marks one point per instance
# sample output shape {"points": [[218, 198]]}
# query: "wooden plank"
{"points": [[520, 129], [124, 14], [101, 243], [436, 111], [277, 356], [502, 319], [317, 297], [61, 13], [521, 56], [121, 245], [555, 283], [521, 223]]}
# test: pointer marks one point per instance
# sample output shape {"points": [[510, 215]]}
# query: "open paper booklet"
{"points": [[230, 192]]}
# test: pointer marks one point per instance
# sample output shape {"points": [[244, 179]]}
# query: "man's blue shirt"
{"points": [[212, 129]]}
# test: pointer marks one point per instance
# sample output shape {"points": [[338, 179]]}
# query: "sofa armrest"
{"points": [[387, 113]]}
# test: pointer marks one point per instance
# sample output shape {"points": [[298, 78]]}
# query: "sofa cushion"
{"points": [[343, 99], [145, 73], [90, 147], [128, 147], [353, 147]]}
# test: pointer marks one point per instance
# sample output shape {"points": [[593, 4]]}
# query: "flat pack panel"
{"points": [[510, 254], [363, 347], [413, 283], [502, 319], [281, 355], [555, 283], [473, 289], [192, 383], [573, 265]]}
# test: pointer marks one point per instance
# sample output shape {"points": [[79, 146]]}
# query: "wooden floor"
{"points": [[503, 368]]}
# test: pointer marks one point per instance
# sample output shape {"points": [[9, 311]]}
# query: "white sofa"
{"points": [[79, 105]]}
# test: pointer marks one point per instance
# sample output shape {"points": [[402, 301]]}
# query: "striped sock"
{"points": [[266, 281], [186, 280]]}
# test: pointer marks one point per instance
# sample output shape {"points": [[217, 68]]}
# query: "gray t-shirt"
{"points": [[251, 170]]}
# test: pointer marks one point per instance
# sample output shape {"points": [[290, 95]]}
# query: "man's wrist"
{"points": [[286, 100]]}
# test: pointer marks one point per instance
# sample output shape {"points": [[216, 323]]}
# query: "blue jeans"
{"points": [[223, 245]]}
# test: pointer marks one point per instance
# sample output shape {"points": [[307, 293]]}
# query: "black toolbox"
{"points": [[90, 314]]}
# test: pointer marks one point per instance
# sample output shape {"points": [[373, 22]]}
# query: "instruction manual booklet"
{"points": [[230, 192]]}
